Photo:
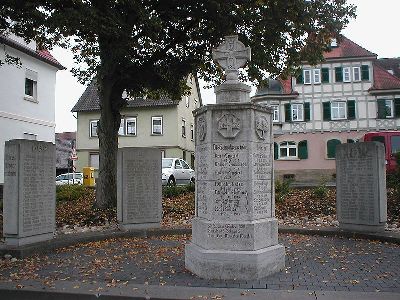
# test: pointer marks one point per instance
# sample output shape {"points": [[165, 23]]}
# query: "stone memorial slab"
{"points": [[361, 202], [139, 188], [234, 232], [29, 192]]}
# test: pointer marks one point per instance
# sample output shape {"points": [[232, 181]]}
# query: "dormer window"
{"points": [[334, 43]]}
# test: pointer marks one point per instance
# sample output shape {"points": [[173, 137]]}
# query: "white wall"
{"points": [[18, 115]]}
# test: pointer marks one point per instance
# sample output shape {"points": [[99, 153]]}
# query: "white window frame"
{"points": [[308, 76], [187, 101], [192, 132], [183, 128], [338, 105], [299, 108], [390, 103], [130, 120], [275, 113], [287, 145], [317, 76], [121, 129], [346, 74], [354, 74], [92, 124], [33, 77], [157, 118]]}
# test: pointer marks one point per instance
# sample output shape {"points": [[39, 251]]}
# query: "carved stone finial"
{"points": [[231, 55]]}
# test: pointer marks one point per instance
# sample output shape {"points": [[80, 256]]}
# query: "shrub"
{"points": [[282, 189], [321, 191], [171, 191], [70, 192]]}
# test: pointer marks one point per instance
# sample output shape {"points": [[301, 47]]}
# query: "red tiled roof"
{"points": [[347, 48], [43, 55], [383, 80]]}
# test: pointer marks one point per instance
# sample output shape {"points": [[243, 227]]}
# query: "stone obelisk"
{"points": [[235, 232]]}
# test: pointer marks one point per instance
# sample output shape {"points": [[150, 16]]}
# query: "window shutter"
{"points": [[350, 141], [303, 151], [381, 109], [397, 108], [331, 148], [351, 109], [276, 151], [288, 112], [325, 75], [307, 112], [299, 79], [338, 74], [365, 72], [326, 111]]}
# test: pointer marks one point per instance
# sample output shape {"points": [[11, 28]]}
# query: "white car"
{"points": [[69, 178], [176, 171]]}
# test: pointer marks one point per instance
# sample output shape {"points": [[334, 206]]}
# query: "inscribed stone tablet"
{"points": [[139, 185], [361, 185]]}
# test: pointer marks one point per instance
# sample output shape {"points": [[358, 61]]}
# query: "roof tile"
{"points": [[347, 49], [383, 80]]}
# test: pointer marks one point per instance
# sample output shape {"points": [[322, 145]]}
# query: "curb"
{"points": [[62, 241]]}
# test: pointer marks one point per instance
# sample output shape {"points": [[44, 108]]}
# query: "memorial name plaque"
{"points": [[29, 192], [361, 186], [139, 188], [234, 232]]}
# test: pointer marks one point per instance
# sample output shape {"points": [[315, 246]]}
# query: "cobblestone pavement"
{"points": [[312, 263]]}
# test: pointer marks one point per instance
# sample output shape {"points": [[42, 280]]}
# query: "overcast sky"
{"points": [[372, 29]]}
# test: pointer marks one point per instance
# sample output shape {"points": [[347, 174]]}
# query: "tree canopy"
{"points": [[151, 46]]}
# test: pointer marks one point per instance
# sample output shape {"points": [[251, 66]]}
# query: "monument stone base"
{"points": [[243, 265], [138, 226], [15, 241], [362, 227]]}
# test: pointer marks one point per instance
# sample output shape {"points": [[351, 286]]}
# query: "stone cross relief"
{"points": [[231, 55]]}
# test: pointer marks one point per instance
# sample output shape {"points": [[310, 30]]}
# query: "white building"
{"points": [[27, 94]]}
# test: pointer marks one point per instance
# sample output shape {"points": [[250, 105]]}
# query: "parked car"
{"points": [[391, 141], [176, 171], [69, 178]]}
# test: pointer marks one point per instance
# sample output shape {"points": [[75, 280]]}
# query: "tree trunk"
{"points": [[108, 125]]}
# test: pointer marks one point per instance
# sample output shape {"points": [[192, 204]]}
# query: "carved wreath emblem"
{"points": [[262, 127], [201, 128], [229, 126]]}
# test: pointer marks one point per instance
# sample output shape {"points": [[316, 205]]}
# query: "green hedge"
{"points": [[176, 190], [70, 192]]}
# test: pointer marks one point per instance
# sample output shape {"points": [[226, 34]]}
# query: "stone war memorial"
{"points": [[139, 188], [234, 232], [29, 192], [361, 203]]}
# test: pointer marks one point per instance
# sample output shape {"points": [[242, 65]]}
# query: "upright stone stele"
{"points": [[29, 192], [361, 203], [139, 188], [235, 232]]}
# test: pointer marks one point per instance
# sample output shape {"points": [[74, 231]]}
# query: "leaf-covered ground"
{"points": [[300, 207]]}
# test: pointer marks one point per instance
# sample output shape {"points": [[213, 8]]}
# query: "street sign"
{"points": [[73, 155]]}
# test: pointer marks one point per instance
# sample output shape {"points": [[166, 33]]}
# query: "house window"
{"points": [[94, 160], [275, 113], [317, 76], [192, 132], [130, 126], [183, 128], [338, 110], [93, 128], [30, 85], [331, 148], [30, 136], [307, 76], [356, 74], [287, 150], [121, 127], [346, 74], [157, 125], [187, 101], [297, 112], [385, 108]]}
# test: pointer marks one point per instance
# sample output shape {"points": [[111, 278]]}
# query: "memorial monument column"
{"points": [[235, 232]]}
